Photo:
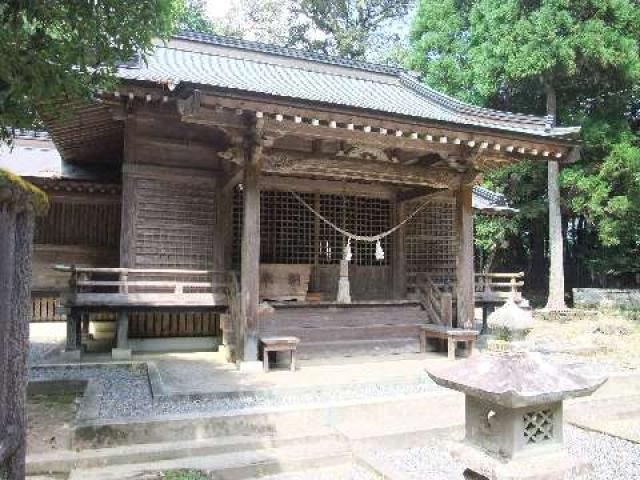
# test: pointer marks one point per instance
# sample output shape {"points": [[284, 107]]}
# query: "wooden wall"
{"points": [[170, 174], [79, 229], [169, 213]]}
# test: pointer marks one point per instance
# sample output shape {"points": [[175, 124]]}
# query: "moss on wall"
{"points": [[15, 190]]}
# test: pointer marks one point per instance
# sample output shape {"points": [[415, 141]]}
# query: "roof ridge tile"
{"points": [[291, 52]]}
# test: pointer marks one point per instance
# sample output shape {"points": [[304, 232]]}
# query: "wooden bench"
{"points": [[279, 344], [452, 335]]}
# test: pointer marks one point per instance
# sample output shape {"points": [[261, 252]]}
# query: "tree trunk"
{"points": [[555, 301]]}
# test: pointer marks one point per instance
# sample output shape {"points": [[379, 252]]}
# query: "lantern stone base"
{"points": [[554, 465]]}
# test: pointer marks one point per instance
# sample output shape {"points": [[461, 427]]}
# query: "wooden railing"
{"points": [[437, 303], [145, 286], [498, 286]]}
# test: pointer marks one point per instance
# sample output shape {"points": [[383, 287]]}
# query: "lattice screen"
{"points": [[90, 224], [359, 215], [287, 228], [431, 241], [175, 225]]}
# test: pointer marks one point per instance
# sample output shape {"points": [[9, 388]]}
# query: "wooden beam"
{"points": [[412, 194], [461, 134], [464, 263], [353, 135], [307, 185], [297, 164]]}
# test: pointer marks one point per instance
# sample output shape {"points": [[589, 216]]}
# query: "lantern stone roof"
{"points": [[515, 379], [208, 61]]}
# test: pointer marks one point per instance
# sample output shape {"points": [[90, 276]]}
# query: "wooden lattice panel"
{"points": [[288, 229], [85, 223], [431, 241], [175, 225], [358, 215]]}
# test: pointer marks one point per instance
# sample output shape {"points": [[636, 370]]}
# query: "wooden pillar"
{"points": [[223, 262], [399, 259], [250, 261], [464, 263], [315, 278], [127, 225], [74, 333]]}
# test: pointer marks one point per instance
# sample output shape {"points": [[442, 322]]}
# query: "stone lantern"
{"points": [[513, 407]]}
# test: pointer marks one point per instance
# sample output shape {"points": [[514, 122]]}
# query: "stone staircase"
{"points": [[331, 330], [231, 457], [245, 445]]}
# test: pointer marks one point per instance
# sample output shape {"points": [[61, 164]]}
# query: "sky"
{"points": [[219, 8]]}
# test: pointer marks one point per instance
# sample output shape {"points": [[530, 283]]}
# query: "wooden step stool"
{"points": [[279, 344]]}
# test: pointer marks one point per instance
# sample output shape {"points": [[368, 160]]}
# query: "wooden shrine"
{"points": [[224, 172]]}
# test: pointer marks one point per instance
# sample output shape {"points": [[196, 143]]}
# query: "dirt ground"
{"points": [[611, 337], [47, 417]]}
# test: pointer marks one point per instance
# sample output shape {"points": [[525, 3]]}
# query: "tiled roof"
{"points": [[488, 201], [295, 74]]}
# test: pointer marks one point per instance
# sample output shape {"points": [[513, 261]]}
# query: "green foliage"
{"points": [[191, 16], [348, 28], [60, 51], [510, 54], [440, 43]]}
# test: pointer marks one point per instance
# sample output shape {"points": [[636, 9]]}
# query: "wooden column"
{"points": [[127, 226], [250, 261], [399, 259], [223, 248], [464, 263]]}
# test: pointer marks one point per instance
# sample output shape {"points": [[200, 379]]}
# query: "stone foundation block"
{"points": [[554, 465], [121, 354], [71, 354], [250, 367]]}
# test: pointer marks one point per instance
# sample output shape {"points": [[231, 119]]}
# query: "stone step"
{"points": [[237, 465], [293, 317], [344, 333], [65, 461], [401, 408], [358, 348]]}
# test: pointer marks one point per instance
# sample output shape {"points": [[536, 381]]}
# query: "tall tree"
{"points": [[544, 57], [59, 51], [348, 28], [192, 16]]}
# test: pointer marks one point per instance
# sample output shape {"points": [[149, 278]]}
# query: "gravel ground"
{"points": [[124, 391], [612, 458]]}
